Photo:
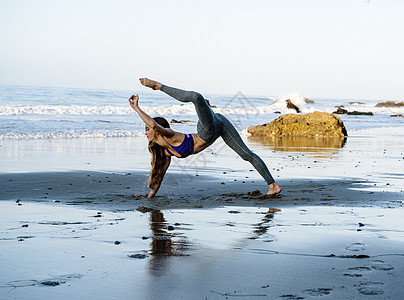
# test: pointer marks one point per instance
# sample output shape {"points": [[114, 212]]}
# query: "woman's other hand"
{"points": [[133, 101]]}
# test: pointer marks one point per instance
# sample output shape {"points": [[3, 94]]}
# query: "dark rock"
{"points": [[174, 121], [50, 283], [117, 243], [138, 256], [340, 111], [290, 105], [208, 102], [170, 227], [360, 256], [360, 113]]}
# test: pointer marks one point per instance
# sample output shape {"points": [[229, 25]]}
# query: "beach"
{"points": [[334, 231], [71, 229]]}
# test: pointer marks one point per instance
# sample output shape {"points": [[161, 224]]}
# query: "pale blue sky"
{"points": [[322, 48]]}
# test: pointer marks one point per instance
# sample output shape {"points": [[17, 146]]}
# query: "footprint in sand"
{"points": [[356, 247], [357, 271], [318, 292], [380, 265], [371, 288], [47, 282]]}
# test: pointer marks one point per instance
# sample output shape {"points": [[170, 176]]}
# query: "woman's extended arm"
{"points": [[155, 188], [167, 132]]}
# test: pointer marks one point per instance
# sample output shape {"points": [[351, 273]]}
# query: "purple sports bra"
{"points": [[186, 148]]}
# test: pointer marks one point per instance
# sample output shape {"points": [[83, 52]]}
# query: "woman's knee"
{"points": [[247, 156], [197, 98]]}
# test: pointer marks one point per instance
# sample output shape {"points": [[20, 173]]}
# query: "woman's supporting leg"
{"points": [[232, 138]]}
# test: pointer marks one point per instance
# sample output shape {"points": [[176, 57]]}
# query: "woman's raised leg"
{"points": [[207, 118]]}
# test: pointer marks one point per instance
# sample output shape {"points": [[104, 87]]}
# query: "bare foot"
{"points": [[150, 83], [274, 189]]}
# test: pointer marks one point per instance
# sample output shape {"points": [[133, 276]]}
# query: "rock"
{"points": [[389, 104], [356, 102], [316, 124], [308, 101], [340, 111], [208, 102], [399, 115], [290, 105], [138, 256], [180, 121], [50, 282], [360, 113]]}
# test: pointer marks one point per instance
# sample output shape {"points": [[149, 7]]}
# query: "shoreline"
{"points": [[113, 191]]}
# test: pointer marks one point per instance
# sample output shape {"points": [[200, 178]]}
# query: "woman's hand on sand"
{"points": [[133, 101]]}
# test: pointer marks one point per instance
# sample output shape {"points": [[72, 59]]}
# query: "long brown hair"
{"points": [[157, 157]]}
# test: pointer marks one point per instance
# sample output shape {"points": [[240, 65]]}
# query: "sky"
{"points": [[320, 48]]}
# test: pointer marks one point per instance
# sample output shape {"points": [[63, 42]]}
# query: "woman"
{"points": [[165, 142]]}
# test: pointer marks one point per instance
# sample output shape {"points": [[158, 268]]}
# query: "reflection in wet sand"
{"points": [[161, 243], [262, 227], [300, 144], [163, 246]]}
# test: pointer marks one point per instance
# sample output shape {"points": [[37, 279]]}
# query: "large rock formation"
{"points": [[316, 124]]}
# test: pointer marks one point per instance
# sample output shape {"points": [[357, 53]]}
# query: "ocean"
{"points": [[66, 113]]}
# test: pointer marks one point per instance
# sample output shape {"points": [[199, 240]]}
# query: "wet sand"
{"points": [[335, 231], [70, 252]]}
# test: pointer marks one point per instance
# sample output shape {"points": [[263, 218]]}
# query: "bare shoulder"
{"points": [[175, 137]]}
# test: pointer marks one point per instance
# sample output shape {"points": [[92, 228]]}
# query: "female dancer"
{"points": [[165, 142]]}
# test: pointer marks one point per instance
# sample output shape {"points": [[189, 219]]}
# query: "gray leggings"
{"points": [[212, 125]]}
